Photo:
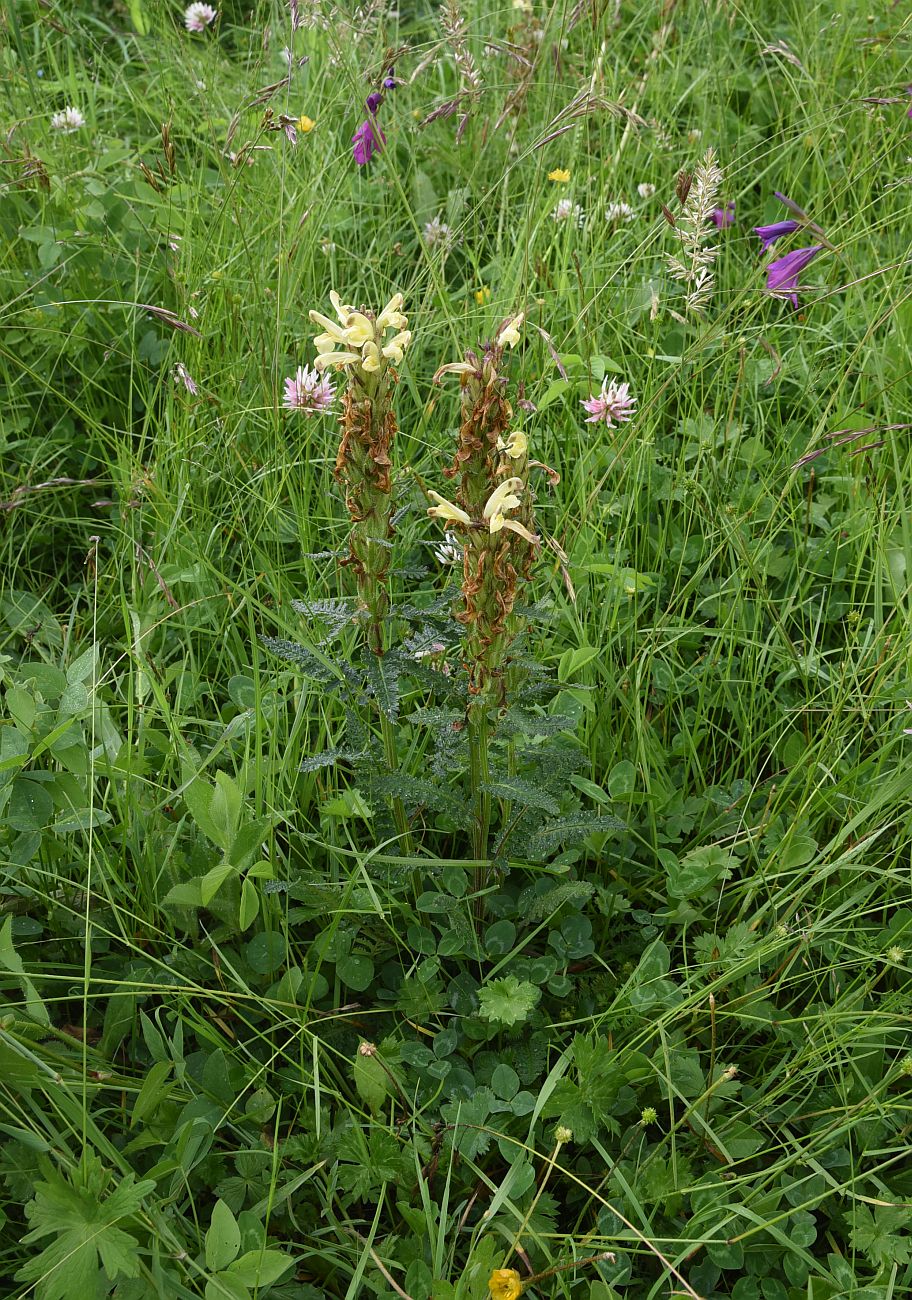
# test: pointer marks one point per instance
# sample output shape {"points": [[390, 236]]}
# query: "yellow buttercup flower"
{"points": [[559, 175], [505, 1284], [306, 123], [482, 295]]}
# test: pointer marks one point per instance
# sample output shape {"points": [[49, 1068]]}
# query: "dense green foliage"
{"points": [[697, 956]]}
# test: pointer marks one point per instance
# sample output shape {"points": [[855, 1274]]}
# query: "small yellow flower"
{"points": [[559, 175], [504, 1284], [306, 123], [482, 295]]}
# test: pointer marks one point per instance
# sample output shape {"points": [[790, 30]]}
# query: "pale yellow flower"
{"points": [[343, 311], [454, 368], [447, 511], [337, 359], [370, 357], [509, 335], [332, 331], [505, 1284], [391, 318], [358, 329], [504, 498], [559, 175], [306, 123], [517, 445], [398, 343]]}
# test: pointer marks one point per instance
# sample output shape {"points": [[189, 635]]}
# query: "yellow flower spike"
{"points": [[559, 175], [446, 511], [505, 1284], [509, 335], [306, 124], [482, 295]]}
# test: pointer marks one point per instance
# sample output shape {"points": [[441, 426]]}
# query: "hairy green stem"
{"points": [[479, 777]]}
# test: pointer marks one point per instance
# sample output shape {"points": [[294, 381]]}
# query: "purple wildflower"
{"points": [[612, 405], [782, 275], [724, 216], [308, 391], [769, 234], [373, 102], [389, 81], [367, 140], [909, 92]]}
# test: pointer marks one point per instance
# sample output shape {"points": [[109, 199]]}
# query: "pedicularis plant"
{"points": [[497, 785]]}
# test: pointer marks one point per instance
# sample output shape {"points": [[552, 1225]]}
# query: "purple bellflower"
{"points": [[367, 140], [769, 234], [724, 216], [782, 275]]}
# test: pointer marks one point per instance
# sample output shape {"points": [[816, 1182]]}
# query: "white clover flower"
{"points": [[449, 551], [646, 189], [618, 212], [68, 121], [438, 232], [567, 210], [197, 17]]}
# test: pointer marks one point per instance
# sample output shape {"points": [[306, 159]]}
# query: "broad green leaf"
{"points": [[372, 1080], [355, 970], [30, 806], [223, 1240], [213, 880], [225, 809], [249, 905], [260, 1267], [83, 667]]}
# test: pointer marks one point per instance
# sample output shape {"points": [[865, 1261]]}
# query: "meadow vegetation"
{"points": [[365, 936]]}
